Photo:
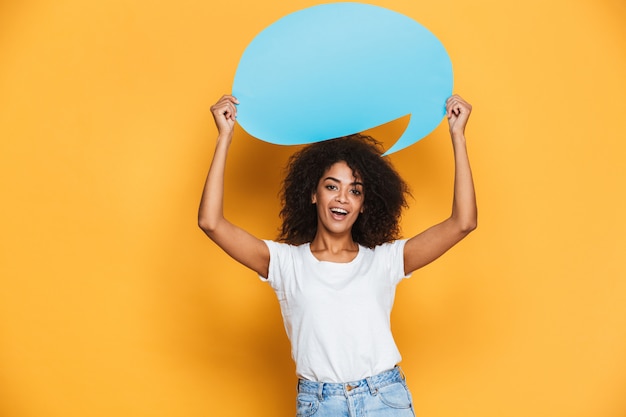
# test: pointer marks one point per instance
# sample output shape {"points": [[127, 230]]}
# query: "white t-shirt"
{"points": [[337, 315]]}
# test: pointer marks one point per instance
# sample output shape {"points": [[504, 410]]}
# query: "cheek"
{"points": [[360, 202]]}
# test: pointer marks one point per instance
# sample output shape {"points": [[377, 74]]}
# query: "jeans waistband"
{"points": [[371, 384]]}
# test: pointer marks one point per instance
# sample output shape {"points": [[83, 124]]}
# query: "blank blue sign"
{"points": [[341, 68]]}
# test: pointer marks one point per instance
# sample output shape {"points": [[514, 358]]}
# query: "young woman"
{"points": [[337, 262]]}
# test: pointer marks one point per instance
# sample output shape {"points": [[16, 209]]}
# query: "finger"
{"points": [[452, 108], [225, 99], [232, 110], [224, 105], [228, 111], [458, 107], [218, 109], [452, 100], [457, 99], [230, 98], [229, 103]]}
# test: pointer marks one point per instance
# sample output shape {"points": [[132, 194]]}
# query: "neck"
{"points": [[333, 244], [326, 248]]}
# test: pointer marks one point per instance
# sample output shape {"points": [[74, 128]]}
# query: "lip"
{"points": [[336, 216]]}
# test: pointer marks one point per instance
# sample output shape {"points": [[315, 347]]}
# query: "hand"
{"points": [[224, 113], [458, 112]]}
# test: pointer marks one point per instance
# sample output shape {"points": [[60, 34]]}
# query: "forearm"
{"points": [[464, 210], [211, 211]]}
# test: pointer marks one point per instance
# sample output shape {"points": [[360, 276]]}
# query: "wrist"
{"points": [[224, 138], [457, 136]]}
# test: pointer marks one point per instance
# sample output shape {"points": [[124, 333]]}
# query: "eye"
{"points": [[331, 187], [355, 191]]}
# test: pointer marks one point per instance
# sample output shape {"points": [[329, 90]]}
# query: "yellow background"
{"points": [[113, 303]]}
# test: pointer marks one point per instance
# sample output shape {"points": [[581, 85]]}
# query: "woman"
{"points": [[338, 260]]}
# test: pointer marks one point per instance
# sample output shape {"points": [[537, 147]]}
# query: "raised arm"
{"points": [[239, 244], [427, 246]]}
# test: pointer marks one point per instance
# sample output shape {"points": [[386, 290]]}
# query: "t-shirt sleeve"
{"points": [[395, 258], [278, 256]]}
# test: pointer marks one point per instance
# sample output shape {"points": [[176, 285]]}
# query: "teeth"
{"points": [[338, 210]]}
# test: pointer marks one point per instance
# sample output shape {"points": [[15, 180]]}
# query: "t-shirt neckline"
{"points": [[352, 262]]}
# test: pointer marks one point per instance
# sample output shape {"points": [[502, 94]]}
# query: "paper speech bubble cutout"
{"points": [[341, 68]]}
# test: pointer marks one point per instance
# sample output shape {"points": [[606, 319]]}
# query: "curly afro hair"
{"points": [[384, 190]]}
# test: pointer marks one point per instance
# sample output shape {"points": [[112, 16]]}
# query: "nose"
{"points": [[341, 197]]}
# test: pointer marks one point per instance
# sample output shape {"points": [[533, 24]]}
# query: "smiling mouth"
{"points": [[339, 211]]}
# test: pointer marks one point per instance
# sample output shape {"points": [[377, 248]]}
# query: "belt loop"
{"points": [[372, 387], [320, 391]]}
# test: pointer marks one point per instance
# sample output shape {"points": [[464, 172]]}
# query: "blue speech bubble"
{"points": [[341, 68]]}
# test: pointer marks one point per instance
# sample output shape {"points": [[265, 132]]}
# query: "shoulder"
{"points": [[390, 256], [286, 261], [388, 248], [281, 249], [386, 253]]}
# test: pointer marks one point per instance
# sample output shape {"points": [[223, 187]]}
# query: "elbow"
{"points": [[206, 225], [469, 227], [466, 225]]}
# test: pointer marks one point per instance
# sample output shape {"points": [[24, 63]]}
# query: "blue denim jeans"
{"points": [[382, 395]]}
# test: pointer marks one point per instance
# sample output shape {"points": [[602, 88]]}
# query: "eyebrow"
{"points": [[336, 180]]}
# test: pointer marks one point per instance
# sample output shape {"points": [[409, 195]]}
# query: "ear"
{"points": [[313, 199]]}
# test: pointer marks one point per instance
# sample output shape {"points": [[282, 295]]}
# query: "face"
{"points": [[339, 198]]}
